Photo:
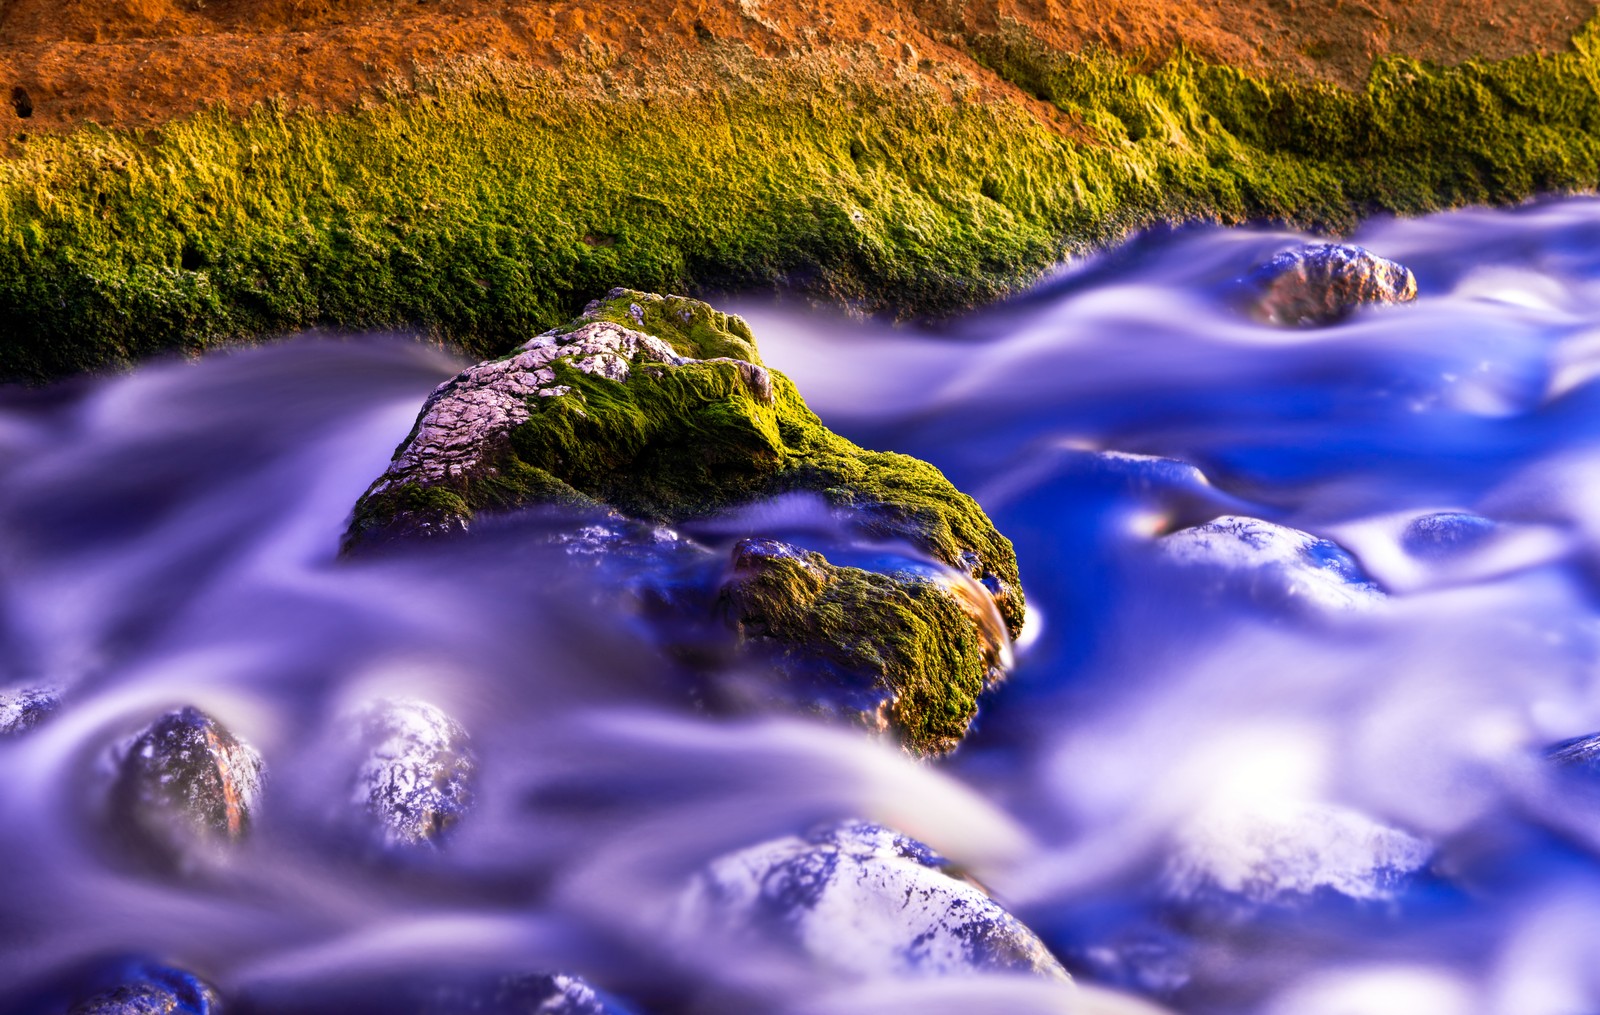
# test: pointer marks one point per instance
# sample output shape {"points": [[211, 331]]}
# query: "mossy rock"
{"points": [[658, 407], [902, 652]]}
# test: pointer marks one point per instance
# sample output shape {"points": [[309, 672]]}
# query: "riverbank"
{"points": [[483, 201]]}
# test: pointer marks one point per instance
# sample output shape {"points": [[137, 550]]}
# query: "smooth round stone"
{"points": [[859, 900], [1446, 534], [1324, 283], [414, 773], [185, 787], [1273, 563]]}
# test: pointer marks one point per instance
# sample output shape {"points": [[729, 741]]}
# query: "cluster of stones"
{"points": [[855, 899]]}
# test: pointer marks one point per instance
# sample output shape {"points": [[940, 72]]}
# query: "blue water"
{"points": [[1209, 787]]}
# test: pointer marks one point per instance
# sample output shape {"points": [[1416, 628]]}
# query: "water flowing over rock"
{"points": [[859, 900], [414, 773], [23, 708], [1288, 853], [1272, 563], [185, 787], [1445, 534], [899, 651], [1325, 283], [659, 408]]}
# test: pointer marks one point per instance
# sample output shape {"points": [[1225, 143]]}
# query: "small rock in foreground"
{"points": [[1325, 283], [149, 989], [859, 900], [185, 787]]}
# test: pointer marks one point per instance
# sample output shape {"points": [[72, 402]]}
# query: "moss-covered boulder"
{"points": [[659, 408], [903, 653]]}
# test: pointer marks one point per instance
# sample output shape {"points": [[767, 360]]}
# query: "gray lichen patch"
{"points": [[185, 787], [857, 900], [1324, 283]]}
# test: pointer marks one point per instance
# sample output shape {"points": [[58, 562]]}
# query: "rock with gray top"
{"points": [[185, 789], [1325, 283], [857, 900], [1272, 564]]}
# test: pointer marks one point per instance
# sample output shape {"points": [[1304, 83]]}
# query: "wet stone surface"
{"points": [[859, 900], [413, 775], [1272, 564], [23, 708], [1325, 283], [185, 788]]}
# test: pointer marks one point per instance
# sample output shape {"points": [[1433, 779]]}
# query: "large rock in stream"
{"points": [[659, 410]]}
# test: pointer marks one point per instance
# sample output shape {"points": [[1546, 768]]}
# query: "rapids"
{"points": [[168, 537]]}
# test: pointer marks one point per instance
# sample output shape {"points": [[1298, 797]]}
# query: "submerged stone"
{"points": [[156, 990], [1273, 564], [659, 408], [859, 900], [1289, 854], [23, 708], [536, 994], [185, 787], [414, 773], [1580, 755], [1324, 283], [904, 653], [1445, 534]]}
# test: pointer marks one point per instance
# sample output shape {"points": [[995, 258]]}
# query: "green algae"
{"points": [[675, 442], [481, 210], [907, 635]]}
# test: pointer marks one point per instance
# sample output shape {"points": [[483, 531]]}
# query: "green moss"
{"points": [[907, 637], [693, 328], [487, 209], [673, 443]]}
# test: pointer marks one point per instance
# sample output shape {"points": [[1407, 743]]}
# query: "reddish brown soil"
{"points": [[135, 62]]}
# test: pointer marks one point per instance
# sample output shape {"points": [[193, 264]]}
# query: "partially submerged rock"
{"points": [[1324, 283], [184, 788], [900, 652], [413, 773], [859, 900], [23, 708], [153, 990], [659, 408], [1289, 854], [537, 994], [1273, 564], [1445, 534]]}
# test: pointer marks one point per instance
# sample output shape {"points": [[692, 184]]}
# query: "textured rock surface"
{"points": [[900, 652], [184, 787], [859, 900], [541, 994], [659, 408], [414, 770], [1442, 535], [1272, 563], [23, 708], [1324, 283], [150, 989], [1289, 853]]}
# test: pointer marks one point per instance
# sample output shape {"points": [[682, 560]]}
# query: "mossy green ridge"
{"points": [[908, 638], [487, 207], [674, 442]]}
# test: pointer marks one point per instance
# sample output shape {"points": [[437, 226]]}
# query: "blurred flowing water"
{"points": [[168, 538]]}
